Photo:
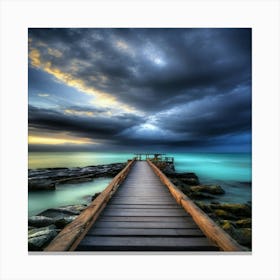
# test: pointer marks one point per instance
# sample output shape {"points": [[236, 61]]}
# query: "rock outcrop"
{"points": [[234, 218], [47, 178], [42, 228], [39, 237]]}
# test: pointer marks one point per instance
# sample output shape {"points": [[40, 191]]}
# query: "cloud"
{"points": [[176, 87], [43, 94], [58, 139], [79, 125], [211, 116], [96, 62]]}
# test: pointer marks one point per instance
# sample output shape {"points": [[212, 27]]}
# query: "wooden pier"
{"points": [[141, 210]]}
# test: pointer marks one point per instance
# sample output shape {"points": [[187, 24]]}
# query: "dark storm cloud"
{"points": [[224, 114], [81, 126], [150, 68], [192, 85]]}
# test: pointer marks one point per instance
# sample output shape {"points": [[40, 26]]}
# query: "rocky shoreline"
{"points": [[44, 226], [234, 218], [48, 178]]}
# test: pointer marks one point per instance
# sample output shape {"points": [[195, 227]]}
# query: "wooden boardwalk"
{"points": [[143, 216]]}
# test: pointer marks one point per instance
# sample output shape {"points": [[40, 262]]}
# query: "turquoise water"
{"points": [[231, 171], [65, 194], [236, 167], [208, 167]]}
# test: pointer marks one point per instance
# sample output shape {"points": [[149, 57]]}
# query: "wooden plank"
{"points": [[135, 200], [146, 197], [145, 232], [138, 200], [144, 210], [142, 206], [186, 219], [146, 224], [140, 197], [144, 213], [148, 191], [143, 202], [145, 243], [124, 202]]}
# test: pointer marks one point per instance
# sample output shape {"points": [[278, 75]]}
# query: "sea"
{"points": [[232, 171]]}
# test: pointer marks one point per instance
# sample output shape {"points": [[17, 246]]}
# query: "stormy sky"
{"points": [[140, 89]]}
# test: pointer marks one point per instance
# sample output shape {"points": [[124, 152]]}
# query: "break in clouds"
{"points": [[140, 89]]}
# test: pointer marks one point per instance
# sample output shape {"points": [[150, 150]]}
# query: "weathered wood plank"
{"points": [[146, 224], [124, 202], [139, 199], [142, 206], [144, 213], [144, 210], [186, 219], [145, 243], [145, 232]]}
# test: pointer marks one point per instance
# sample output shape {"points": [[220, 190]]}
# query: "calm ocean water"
{"points": [[231, 171]]}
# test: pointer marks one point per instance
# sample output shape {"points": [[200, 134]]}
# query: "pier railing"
{"points": [[153, 157], [69, 238], [207, 225]]}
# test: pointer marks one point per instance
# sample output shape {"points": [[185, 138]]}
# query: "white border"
{"points": [[262, 16]]}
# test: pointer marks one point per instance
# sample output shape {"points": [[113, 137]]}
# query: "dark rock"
{"points": [[224, 214], [175, 181], [203, 206], [47, 178], [40, 221], [237, 209], [95, 196], [184, 178], [228, 226], [73, 208], [61, 223], [166, 167], [41, 185], [78, 180], [200, 195], [40, 231], [213, 189], [48, 224], [215, 202], [39, 238], [244, 236], [244, 223], [190, 181], [64, 211]]}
